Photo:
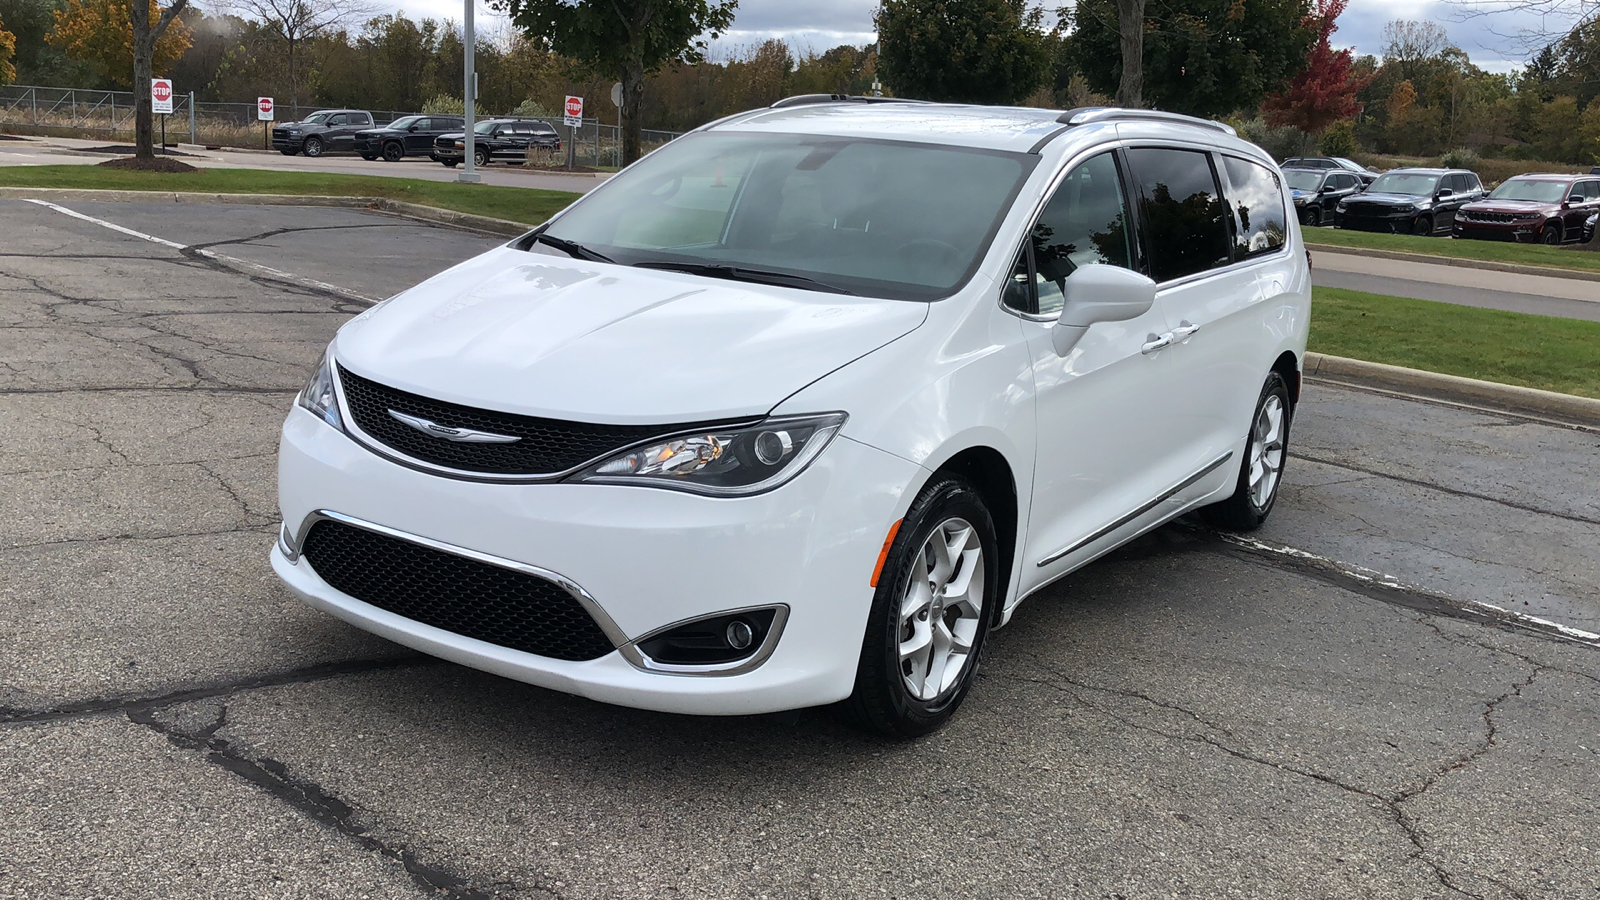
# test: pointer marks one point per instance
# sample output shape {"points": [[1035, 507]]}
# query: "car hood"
{"points": [[1509, 206], [563, 338], [1390, 199]]}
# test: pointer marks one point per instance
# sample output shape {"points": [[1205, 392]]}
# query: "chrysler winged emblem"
{"points": [[459, 435]]}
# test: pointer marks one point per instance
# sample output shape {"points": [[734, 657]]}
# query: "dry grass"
{"points": [[99, 125]]}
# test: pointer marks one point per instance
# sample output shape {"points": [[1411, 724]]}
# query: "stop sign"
{"points": [[161, 95], [264, 109], [575, 107]]}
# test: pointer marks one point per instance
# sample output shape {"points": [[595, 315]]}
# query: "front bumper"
{"points": [[295, 143], [1521, 232], [441, 154], [1396, 223], [646, 557]]}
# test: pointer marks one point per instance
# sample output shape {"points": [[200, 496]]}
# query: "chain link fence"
{"points": [[108, 115]]}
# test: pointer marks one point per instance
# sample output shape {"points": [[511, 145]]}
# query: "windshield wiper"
{"points": [[572, 248], [739, 273]]}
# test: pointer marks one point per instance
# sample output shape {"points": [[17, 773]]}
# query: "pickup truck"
{"points": [[321, 132]]}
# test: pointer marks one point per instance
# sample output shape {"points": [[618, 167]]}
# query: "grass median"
{"points": [[1542, 352], [1486, 251], [526, 205]]}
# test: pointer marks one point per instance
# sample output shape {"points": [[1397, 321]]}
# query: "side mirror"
{"points": [[412, 128], [1575, 198], [1099, 293], [1443, 193]]}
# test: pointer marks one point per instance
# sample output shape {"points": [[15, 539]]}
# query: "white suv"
{"points": [[799, 407]]}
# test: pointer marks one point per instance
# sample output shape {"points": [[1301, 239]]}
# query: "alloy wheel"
{"points": [[313, 147], [941, 610], [1266, 451], [393, 152]]}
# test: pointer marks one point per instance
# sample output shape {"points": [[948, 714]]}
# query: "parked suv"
{"points": [[506, 139], [1550, 209], [1410, 201], [763, 422], [1332, 162], [320, 132], [1317, 192], [406, 136]]}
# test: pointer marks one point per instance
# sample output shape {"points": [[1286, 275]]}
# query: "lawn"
{"points": [[1512, 348], [1488, 251], [524, 205]]}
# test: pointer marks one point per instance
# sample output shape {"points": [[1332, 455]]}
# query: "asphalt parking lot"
{"points": [[1326, 712]]}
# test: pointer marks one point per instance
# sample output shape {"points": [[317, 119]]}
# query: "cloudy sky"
{"points": [[820, 24]]}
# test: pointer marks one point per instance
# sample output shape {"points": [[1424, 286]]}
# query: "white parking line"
{"points": [[234, 261], [1362, 573]]}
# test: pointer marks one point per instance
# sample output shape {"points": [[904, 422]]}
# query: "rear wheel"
{"points": [[1261, 470], [393, 152], [1550, 235], [935, 599], [1424, 225]]}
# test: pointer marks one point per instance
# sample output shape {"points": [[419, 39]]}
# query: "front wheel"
{"points": [[1312, 217], [393, 152], [1424, 225], [936, 596], [450, 163], [481, 157], [368, 157], [1550, 235], [288, 152], [1261, 470], [313, 147]]}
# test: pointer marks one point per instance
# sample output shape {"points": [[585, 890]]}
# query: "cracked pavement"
{"points": [[1188, 717]]}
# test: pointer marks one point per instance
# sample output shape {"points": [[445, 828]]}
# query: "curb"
{"points": [[1513, 268], [416, 211], [1568, 408]]}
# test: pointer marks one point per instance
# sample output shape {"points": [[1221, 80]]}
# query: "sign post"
{"points": [[161, 104], [616, 100], [574, 121], [265, 114]]}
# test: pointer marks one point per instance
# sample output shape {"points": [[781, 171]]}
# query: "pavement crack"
{"points": [[130, 536], [310, 799], [293, 229]]}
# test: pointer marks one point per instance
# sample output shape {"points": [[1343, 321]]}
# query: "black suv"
{"points": [[1331, 162], [1411, 201], [1317, 192], [507, 139], [330, 129], [406, 136]]}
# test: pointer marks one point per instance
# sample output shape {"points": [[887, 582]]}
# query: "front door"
{"points": [[1103, 409], [420, 137]]}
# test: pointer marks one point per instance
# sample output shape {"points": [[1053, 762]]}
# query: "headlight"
{"points": [[1341, 207], [1421, 207], [292, 130], [723, 463], [319, 394]]}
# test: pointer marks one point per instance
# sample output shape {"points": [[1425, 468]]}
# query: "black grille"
{"points": [[470, 598], [1490, 217], [547, 446]]}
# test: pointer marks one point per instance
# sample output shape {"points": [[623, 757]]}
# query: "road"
{"points": [[1540, 295], [72, 151], [1190, 717]]}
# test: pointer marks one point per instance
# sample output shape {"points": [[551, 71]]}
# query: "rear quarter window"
{"points": [[1257, 201]]}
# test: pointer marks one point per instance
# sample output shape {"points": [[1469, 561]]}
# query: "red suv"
{"points": [[1549, 209]]}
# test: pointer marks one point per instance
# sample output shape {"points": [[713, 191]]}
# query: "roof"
{"points": [[1423, 171], [1547, 176], [990, 127]]}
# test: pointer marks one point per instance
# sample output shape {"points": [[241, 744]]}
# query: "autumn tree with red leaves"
{"points": [[1325, 92]]}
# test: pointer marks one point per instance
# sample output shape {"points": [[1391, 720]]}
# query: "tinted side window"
{"points": [[1591, 190], [1258, 201], [1183, 213], [337, 120], [1084, 224]]}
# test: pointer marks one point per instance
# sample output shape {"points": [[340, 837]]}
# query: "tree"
{"points": [[1326, 91], [625, 40], [1537, 22], [145, 36], [8, 49], [297, 21], [1130, 33], [1203, 57], [966, 51], [101, 33]]}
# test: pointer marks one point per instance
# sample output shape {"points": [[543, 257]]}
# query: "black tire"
{"points": [[394, 151], [450, 163], [881, 701], [288, 152], [481, 157], [313, 147], [1424, 226], [1242, 512], [1312, 217], [1550, 234], [368, 157]]}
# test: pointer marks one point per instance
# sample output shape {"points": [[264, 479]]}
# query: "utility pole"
{"points": [[469, 93]]}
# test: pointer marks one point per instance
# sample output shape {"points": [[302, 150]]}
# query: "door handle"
{"points": [[1164, 340], [1182, 332]]}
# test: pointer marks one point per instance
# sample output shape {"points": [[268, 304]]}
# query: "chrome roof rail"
{"points": [[1086, 115], [808, 99]]}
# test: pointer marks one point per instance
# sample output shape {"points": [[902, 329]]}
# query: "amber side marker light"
{"points": [[883, 555]]}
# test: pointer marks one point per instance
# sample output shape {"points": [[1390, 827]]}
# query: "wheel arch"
{"points": [[1288, 365], [989, 472]]}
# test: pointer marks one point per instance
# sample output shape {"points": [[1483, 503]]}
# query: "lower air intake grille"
{"points": [[460, 595]]}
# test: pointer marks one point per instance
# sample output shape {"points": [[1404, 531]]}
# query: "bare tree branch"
{"points": [[297, 21], [1538, 23]]}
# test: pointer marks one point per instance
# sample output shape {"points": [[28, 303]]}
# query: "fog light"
{"points": [[714, 640], [739, 634]]}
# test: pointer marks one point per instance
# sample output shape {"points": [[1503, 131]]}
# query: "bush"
{"points": [[1339, 139], [1461, 158], [530, 109], [446, 105], [1280, 142]]}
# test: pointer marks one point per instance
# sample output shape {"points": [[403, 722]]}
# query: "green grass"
{"points": [[1542, 352], [525, 205], [1488, 251]]}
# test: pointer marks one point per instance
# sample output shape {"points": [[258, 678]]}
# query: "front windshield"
{"points": [[405, 122], [317, 118], [1528, 189], [1301, 180], [484, 127], [1404, 183], [880, 218]]}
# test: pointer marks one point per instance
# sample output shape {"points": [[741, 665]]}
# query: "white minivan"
{"points": [[797, 408]]}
